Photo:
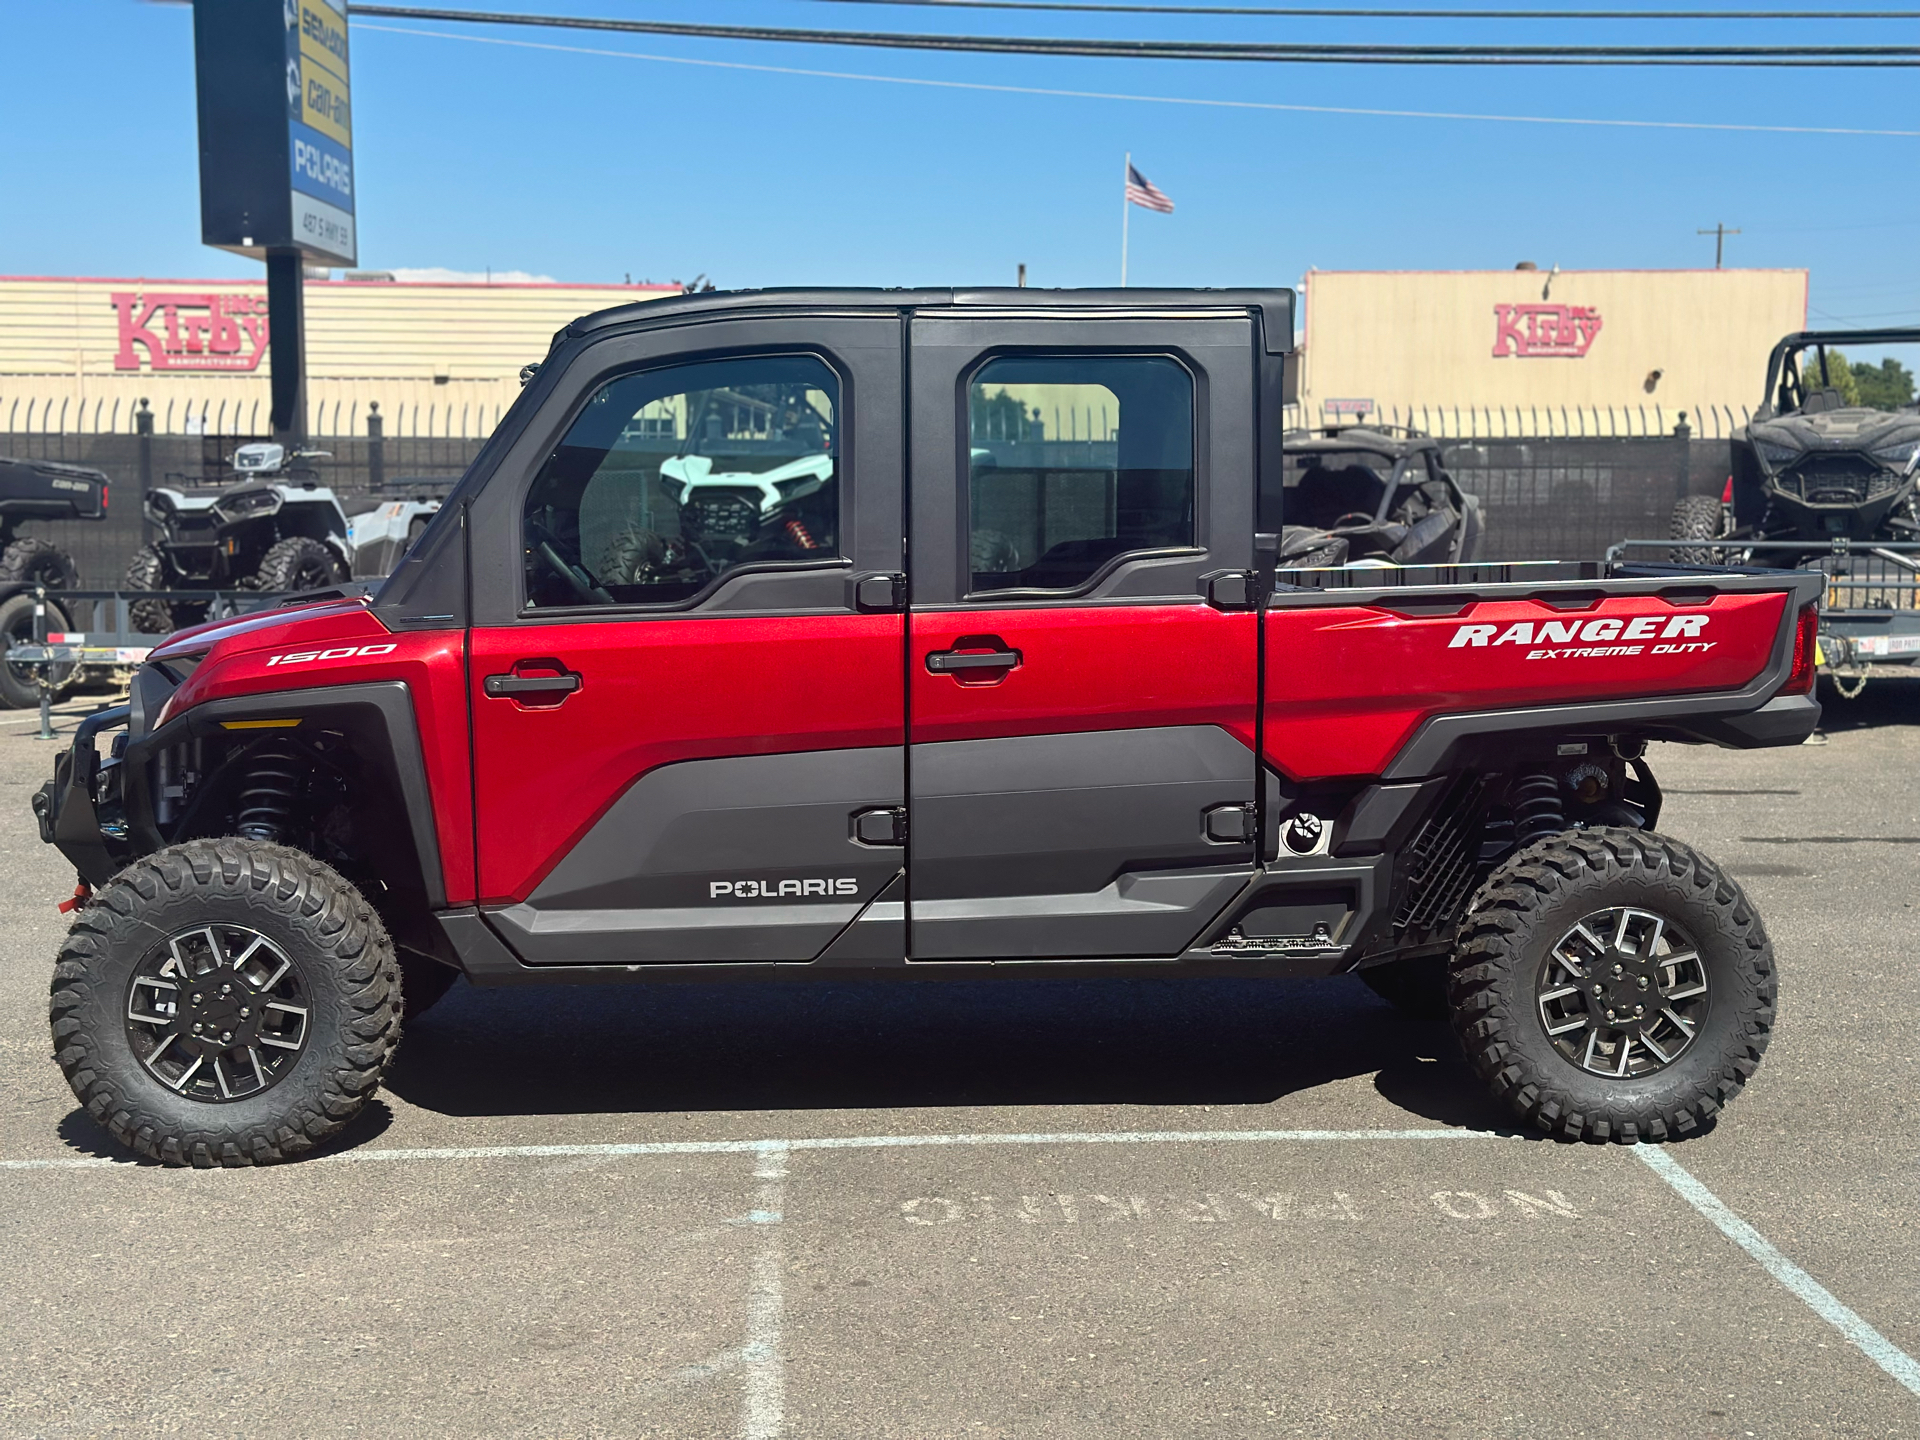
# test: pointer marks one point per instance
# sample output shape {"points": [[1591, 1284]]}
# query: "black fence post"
{"points": [[143, 431], [376, 449], [1683, 432]]}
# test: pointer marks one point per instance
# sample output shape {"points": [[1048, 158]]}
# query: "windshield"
{"points": [[1841, 373]]}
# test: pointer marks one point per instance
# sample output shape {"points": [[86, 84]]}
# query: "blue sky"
{"points": [[592, 168]]}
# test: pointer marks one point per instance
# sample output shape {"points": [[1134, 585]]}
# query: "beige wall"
{"points": [[1416, 338], [438, 358]]}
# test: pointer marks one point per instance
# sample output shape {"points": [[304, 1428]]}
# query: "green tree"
{"points": [[1886, 386], [1839, 374]]}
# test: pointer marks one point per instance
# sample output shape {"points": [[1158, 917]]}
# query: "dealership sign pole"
{"points": [[276, 160]]}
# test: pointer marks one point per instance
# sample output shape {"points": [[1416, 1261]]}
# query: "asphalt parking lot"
{"points": [[1057, 1208]]}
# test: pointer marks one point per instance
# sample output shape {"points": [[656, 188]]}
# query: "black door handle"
{"points": [[510, 684], [975, 656]]}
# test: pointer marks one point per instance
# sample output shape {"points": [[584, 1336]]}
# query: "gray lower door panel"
{"points": [[748, 858], [1083, 845]]}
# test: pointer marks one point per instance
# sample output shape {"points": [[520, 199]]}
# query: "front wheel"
{"points": [[1613, 984], [225, 1002], [298, 563]]}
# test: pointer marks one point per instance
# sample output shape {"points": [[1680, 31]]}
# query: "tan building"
{"points": [[440, 359], [1527, 351]]}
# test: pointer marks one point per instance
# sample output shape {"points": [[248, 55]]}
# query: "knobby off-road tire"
{"points": [[206, 898], [298, 563], [1697, 517], [38, 562], [1504, 967], [147, 570]]}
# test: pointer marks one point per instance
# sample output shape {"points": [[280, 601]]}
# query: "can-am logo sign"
{"points": [[180, 331], [1529, 332]]}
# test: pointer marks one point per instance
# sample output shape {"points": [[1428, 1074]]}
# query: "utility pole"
{"points": [[1719, 233]]}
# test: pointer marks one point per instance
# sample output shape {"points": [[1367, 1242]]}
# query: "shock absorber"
{"points": [[1538, 810], [266, 796]]}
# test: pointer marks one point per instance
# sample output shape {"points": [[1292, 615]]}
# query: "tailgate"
{"points": [[1352, 678]]}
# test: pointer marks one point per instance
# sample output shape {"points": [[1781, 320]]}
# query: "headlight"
{"points": [[1899, 456], [1777, 457]]}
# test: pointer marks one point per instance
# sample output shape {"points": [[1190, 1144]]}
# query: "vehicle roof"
{"points": [[1358, 437], [1277, 305]]}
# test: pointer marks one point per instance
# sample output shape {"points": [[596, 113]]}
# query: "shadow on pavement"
{"points": [[582, 1049], [1883, 702]]}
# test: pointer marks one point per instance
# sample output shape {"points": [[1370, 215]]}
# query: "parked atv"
{"points": [[277, 529], [1809, 467], [1373, 495], [38, 490], [1819, 483]]}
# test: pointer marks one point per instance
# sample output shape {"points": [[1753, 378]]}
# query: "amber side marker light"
{"points": [[289, 724], [1806, 662]]}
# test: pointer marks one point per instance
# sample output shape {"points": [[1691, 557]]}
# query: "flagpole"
{"points": [[1126, 174]]}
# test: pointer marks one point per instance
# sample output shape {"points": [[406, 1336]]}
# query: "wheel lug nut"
{"points": [[245, 1011], [1609, 1014], [197, 1028], [226, 1034], [226, 989]]}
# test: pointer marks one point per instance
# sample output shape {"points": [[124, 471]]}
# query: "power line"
{"points": [[1054, 92], [1793, 56], [1300, 12]]}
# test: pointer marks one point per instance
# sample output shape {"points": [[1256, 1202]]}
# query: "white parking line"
{"points": [[1869, 1341], [764, 1408], [824, 1142]]}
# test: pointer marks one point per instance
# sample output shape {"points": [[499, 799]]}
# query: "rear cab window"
{"points": [[1074, 463]]}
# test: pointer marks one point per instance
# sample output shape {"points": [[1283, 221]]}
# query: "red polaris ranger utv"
{"points": [[816, 634]]}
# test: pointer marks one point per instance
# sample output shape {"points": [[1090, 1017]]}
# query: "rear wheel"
{"points": [[20, 684], [1697, 517], [225, 1002], [298, 563], [1613, 984], [38, 562]]}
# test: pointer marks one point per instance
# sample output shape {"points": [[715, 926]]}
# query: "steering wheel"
{"points": [[576, 579], [1352, 517]]}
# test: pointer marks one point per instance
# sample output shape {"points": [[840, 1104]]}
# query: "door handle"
{"points": [[510, 684], [976, 654]]}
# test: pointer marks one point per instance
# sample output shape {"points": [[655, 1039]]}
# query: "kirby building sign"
{"points": [[176, 330], [1533, 332]]}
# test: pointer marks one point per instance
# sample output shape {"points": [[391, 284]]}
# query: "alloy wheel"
{"points": [[217, 1013], [1623, 993]]}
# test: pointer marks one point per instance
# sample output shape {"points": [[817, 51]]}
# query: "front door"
{"points": [[1082, 717], [687, 698]]}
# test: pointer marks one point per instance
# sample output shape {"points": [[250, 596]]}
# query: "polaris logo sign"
{"points": [[811, 889], [1591, 639]]}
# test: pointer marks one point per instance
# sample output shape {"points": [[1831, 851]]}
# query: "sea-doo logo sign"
{"points": [[194, 332], [781, 889], [339, 652], [1532, 332], [1591, 639]]}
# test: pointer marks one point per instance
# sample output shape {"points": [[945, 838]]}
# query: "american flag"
{"points": [[1144, 193]]}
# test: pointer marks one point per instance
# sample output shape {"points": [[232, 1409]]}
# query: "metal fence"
{"points": [[1532, 422], [358, 465], [1544, 499], [1567, 499], [242, 418]]}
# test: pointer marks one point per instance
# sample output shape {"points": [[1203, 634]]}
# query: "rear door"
{"points": [[686, 663], [1082, 714]]}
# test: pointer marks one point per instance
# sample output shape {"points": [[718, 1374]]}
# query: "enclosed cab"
{"points": [[818, 634]]}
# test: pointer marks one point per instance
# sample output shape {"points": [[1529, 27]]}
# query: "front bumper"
{"points": [[67, 807]]}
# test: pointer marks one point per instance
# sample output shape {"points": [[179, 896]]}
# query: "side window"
{"points": [[1075, 460], [672, 477]]}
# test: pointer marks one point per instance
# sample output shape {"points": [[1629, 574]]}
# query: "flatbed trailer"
{"points": [[1869, 610]]}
